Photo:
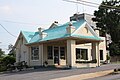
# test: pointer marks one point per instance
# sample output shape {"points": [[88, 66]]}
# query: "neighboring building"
{"points": [[74, 44], [87, 17]]}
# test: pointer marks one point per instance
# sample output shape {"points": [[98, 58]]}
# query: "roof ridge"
{"points": [[61, 25], [33, 36]]}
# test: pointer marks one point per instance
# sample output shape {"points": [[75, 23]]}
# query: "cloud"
{"points": [[6, 9]]}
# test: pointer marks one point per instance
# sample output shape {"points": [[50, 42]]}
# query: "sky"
{"points": [[29, 15]]}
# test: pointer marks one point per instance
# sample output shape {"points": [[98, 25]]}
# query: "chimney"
{"points": [[40, 30], [97, 31], [41, 33], [70, 29]]}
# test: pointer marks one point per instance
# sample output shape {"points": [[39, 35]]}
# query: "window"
{"points": [[77, 53], [101, 54], [62, 53], [35, 53], [81, 54], [50, 52]]}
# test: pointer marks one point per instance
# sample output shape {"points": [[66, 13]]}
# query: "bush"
{"points": [[3, 68], [107, 57], [8, 60]]}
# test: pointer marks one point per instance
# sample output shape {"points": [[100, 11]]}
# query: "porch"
{"points": [[66, 53]]}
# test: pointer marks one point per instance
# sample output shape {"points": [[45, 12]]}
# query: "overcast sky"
{"points": [[28, 15]]}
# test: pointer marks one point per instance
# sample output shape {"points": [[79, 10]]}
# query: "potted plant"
{"points": [[108, 58], [45, 64]]}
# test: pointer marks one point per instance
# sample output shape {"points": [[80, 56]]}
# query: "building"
{"points": [[73, 44]]}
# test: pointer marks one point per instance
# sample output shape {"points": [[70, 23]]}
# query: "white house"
{"points": [[73, 44]]}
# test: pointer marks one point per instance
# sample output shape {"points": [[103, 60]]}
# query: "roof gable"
{"points": [[86, 31]]}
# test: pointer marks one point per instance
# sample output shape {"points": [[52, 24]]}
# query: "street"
{"points": [[47, 74]]}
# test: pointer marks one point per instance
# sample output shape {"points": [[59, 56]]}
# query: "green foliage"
{"points": [[5, 61], [11, 49], [8, 60], [107, 57], [108, 21], [1, 53], [114, 49], [3, 68]]}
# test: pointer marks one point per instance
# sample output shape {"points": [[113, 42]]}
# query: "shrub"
{"points": [[107, 57], [3, 68], [8, 60]]}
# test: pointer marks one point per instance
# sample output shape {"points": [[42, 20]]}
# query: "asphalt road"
{"points": [[108, 77], [49, 73]]}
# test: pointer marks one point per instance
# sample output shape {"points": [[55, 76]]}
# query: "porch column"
{"points": [[41, 54], [95, 52], [71, 53]]}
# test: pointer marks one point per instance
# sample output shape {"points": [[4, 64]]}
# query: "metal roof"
{"points": [[56, 33]]}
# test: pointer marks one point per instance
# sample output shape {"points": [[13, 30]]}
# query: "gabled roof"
{"points": [[28, 35], [56, 33]]}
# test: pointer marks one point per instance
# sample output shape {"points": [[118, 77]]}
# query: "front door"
{"points": [[56, 55]]}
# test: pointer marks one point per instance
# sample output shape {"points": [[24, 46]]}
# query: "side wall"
{"points": [[103, 47], [22, 51]]}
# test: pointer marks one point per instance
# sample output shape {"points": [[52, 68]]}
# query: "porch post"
{"points": [[95, 52], [71, 53], [41, 54]]}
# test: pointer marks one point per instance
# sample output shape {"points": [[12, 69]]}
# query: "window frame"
{"points": [[80, 53], [35, 49], [50, 52], [62, 53]]}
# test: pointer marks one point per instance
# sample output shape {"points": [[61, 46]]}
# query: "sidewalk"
{"points": [[85, 76]]}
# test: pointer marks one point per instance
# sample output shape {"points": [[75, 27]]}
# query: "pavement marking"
{"points": [[85, 76]]}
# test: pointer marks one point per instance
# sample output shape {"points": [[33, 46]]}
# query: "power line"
{"points": [[19, 22], [7, 31], [114, 7], [88, 2], [80, 3], [91, 4]]}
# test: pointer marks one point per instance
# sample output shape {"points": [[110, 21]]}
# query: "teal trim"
{"points": [[87, 37]]}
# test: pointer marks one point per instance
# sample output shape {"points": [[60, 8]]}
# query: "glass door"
{"points": [[56, 55]]}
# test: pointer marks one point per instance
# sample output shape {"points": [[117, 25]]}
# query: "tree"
{"points": [[1, 53], [11, 49], [107, 19], [114, 49]]}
